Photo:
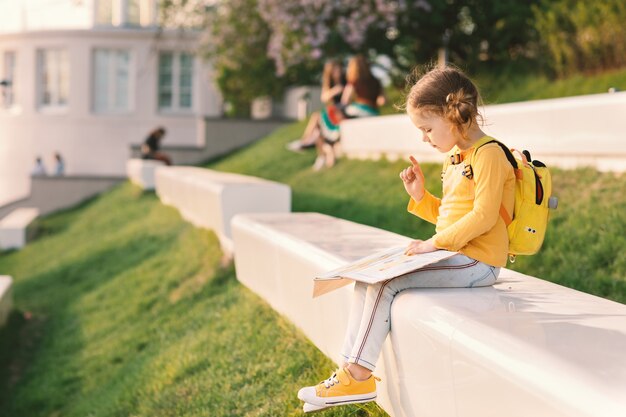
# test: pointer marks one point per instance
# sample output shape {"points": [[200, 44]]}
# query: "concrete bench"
{"points": [[6, 300], [525, 347], [210, 199], [566, 132], [141, 172], [14, 227]]}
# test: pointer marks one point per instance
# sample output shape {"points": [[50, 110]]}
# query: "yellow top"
{"points": [[467, 217]]}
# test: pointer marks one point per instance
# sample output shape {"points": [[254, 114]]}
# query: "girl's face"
{"points": [[437, 131]]}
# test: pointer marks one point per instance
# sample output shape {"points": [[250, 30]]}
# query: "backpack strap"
{"points": [[507, 152], [509, 156]]}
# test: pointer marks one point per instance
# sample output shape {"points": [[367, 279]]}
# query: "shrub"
{"points": [[582, 36]]}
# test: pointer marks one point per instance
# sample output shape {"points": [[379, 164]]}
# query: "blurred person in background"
{"points": [[39, 170], [361, 97], [152, 144], [59, 168], [333, 83]]}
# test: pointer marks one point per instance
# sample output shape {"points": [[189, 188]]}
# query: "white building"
{"points": [[87, 78]]}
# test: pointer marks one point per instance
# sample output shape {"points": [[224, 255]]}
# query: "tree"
{"points": [[309, 30], [236, 45], [259, 46]]}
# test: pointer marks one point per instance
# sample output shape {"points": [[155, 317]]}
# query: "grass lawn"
{"points": [[124, 309], [509, 86]]}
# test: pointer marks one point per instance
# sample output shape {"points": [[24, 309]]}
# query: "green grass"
{"points": [[124, 309], [584, 246], [511, 85]]}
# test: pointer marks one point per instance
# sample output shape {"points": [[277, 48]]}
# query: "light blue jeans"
{"points": [[370, 313]]}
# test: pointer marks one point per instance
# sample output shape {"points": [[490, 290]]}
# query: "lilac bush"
{"points": [[309, 29]]}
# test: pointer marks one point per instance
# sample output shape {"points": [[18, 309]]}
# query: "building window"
{"points": [[7, 78], [134, 12], [104, 12], [175, 81], [54, 77], [125, 12], [111, 80]]}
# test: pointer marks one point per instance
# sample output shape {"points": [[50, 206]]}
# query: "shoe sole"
{"points": [[309, 408], [335, 401]]}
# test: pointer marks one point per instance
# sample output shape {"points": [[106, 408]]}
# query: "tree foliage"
{"points": [[259, 46], [582, 36]]}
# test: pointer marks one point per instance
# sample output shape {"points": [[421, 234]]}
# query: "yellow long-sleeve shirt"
{"points": [[467, 217]]}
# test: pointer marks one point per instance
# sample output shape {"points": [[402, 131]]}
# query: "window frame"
{"points": [[147, 13], [55, 106], [111, 76], [175, 86], [8, 90]]}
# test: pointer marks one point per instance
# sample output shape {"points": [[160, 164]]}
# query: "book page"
{"points": [[387, 264]]}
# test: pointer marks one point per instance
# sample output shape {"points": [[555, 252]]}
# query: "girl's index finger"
{"points": [[414, 162]]}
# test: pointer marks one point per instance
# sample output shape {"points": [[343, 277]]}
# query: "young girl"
{"points": [[333, 83], [443, 104], [361, 98]]}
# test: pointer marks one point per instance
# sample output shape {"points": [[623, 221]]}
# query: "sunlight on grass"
{"points": [[124, 309]]}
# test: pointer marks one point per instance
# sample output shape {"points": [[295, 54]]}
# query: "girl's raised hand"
{"points": [[413, 179]]}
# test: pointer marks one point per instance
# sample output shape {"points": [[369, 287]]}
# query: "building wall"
{"points": [[94, 143], [26, 15]]}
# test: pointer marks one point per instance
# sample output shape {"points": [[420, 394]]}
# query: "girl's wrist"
{"points": [[417, 197]]}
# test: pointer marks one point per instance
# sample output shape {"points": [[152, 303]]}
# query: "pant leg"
{"points": [[354, 319], [370, 319]]}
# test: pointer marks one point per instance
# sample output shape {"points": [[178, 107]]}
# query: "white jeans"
{"points": [[370, 314]]}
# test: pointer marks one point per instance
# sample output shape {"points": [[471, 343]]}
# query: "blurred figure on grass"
{"points": [[333, 84], [361, 97]]}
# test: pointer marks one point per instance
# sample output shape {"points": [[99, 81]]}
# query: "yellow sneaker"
{"points": [[341, 388]]}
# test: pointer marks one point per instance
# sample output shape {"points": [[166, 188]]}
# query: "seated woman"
{"points": [[152, 144], [361, 97], [333, 83]]}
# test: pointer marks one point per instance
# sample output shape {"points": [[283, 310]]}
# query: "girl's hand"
{"points": [[413, 180], [420, 246]]}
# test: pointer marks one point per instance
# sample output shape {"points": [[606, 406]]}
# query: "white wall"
{"points": [[567, 132], [24, 15], [292, 97], [94, 143]]}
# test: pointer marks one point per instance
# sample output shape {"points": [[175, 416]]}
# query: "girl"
{"points": [[443, 104], [333, 83], [361, 98]]}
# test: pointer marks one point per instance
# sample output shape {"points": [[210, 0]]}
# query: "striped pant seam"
{"points": [[380, 292]]}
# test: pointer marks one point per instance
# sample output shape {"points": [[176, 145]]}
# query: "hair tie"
{"points": [[449, 97]]}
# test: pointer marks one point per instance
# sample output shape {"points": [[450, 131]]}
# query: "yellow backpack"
{"points": [[533, 200]]}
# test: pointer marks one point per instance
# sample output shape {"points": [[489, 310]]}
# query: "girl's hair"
{"points": [[446, 92], [159, 132], [327, 75], [366, 86], [358, 69]]}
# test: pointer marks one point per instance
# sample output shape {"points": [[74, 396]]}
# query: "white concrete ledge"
{"points": [[13, 228], [524, 347], [565, 132], [141, 171], [6, 300], [210, 198]]}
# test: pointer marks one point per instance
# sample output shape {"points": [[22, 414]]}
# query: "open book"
{"points": [[381, 266]]}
